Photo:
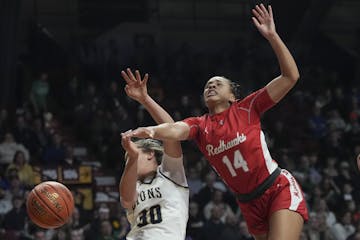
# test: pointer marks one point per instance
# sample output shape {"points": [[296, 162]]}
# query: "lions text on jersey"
{"points": [[161, 209]]}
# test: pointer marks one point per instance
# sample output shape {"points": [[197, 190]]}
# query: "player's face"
{"points": [[146, 162], [218, 91]]}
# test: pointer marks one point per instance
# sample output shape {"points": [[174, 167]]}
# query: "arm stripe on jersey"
{"points": [[187, 187], [248, 110], [251, 105]]}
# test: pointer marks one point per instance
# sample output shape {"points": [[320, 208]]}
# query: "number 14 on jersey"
{"points": [[238, 162]]}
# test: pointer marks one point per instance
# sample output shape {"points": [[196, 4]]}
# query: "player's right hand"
{"points": [[129, 146], [135, 86], [141, 132]]}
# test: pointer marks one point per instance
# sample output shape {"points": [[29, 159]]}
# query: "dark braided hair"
{"points": [[236, 89]]}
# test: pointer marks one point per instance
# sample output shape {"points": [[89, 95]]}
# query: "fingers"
{"points": [[130, 78], [270, 11], [125, 139], [256, 22], [131, 75], [141, 132], [259, 10], [126, 77], [261, 13], [138, 77], [146, 77], [264, 10]]}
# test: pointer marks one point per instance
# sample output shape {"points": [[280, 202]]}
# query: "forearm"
{"points": [[156, 111], [286, 61], [127, 187], [177, 131]]}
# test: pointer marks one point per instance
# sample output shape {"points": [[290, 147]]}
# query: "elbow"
{"points": [[294, 77]]}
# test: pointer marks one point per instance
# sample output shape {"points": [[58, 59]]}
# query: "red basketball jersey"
{"points": [[234, 144]]}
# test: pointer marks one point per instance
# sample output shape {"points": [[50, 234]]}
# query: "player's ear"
{"points": [[232, 98], [151, 155]]}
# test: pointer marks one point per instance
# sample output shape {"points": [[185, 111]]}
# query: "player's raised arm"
{"points": [[176, 131], [280, 86], [136, 88], [127, 186]]}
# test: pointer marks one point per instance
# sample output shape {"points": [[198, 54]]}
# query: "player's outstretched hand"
{"points": [[264, 21], [135, 86], [129, 146], [141, 132]]}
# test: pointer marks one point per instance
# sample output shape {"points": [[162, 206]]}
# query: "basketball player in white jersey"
{"points": [[153, 187]]}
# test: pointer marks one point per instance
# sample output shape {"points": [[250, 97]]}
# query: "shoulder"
{"points": [[167, 158], [195, 120]]}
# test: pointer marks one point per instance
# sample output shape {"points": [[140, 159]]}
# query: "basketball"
{"points": [[50, 204]]}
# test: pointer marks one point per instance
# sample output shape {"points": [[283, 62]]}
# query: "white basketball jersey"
{"points": [[161, 209]]}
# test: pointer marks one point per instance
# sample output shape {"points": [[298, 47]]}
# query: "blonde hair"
{"points": [[148, 145]]}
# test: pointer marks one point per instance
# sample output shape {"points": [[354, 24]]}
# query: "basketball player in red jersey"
{"points": [[231, 138]]}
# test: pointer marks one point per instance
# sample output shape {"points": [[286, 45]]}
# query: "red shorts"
{"points": [[285, 193]]}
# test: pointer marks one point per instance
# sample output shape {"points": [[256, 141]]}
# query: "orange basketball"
{"points": [[50, 204]]}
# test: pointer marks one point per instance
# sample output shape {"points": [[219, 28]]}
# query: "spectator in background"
{"points": [[5, 202], [330, 169], [347, 193], [39, 93], [114, 101], [77, 234], [343, 228], [214, 226], [103, 214], [331, 191], [194, 181], [71, 98], [318, 228], [41, 137], [61, 234], [356, 234], [123, 229], [16, 187], [4, 120], [77, 221], [24, 170], [24, 134], [206, 192], [217, 200], [14, 220], [9, 147], [70, 160], [195, 222], [54, 153], [106, 231], [40, 234], [317, 123], [231, 230], [344, 174], [321, 209]]}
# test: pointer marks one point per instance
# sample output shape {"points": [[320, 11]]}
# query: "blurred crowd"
{"points": [[314, 133]]}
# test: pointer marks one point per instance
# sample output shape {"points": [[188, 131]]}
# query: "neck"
{"points": [[150, 174], [218, 108]]}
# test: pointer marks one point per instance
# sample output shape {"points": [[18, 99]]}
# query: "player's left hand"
{"points": [[264, 21], [135, 86]]}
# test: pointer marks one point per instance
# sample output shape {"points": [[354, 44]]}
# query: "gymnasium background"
{"points": [[62, 104]]}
